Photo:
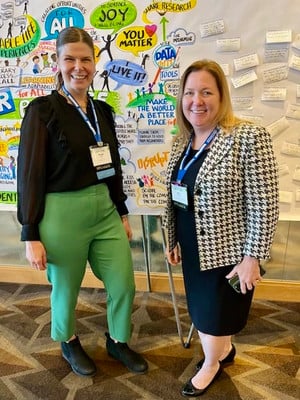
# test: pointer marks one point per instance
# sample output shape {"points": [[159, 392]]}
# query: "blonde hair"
{"points": [[71, 35], [225, 116]]}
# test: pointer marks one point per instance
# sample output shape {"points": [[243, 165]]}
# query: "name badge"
{"points": [[179, 195], [101, 160], [100, 155]]}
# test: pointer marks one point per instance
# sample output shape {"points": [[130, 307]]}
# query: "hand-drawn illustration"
{"points": [[141, 49]]}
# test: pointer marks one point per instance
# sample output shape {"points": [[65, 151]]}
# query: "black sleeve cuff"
{"points": [[30, 233], [122, 208]]}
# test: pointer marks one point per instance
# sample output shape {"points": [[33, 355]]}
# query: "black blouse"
{"points": [[54, 156]]}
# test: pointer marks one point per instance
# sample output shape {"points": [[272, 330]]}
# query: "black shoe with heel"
{"points": [[227, 360], [189, 390], [79, 361], [120, 351]]}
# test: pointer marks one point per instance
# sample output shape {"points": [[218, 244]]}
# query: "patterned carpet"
{"points": [[31, 367]]}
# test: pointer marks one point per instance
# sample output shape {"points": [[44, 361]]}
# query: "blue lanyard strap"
{"points": [[96, 132], [182, 170]]}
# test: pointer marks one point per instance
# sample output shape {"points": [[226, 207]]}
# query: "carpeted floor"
{"points": [[31, 366]]}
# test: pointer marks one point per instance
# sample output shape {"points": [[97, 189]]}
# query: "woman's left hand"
{"points": [[248, 272]]}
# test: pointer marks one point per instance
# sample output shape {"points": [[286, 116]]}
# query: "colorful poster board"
{"points": [[141, 49]]}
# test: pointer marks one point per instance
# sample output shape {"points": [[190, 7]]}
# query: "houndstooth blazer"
{"points": [[236, 197]]}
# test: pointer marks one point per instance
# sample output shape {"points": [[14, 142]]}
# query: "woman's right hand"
{"points": [[173, 256], [36, 254]]}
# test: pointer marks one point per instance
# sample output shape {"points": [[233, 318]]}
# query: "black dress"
{"points": [[214, 307]]}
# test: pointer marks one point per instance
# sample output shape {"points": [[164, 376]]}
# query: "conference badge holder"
{"points": [[101, 160], [179, 195]]}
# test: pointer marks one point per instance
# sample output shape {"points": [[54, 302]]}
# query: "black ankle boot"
{"points": [[79, 361], [120, 351]]}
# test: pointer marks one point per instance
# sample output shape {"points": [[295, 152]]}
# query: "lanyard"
{"points": [[182, 170], [96, 132]]}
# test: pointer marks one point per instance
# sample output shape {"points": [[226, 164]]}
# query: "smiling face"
{"points": [[77, 67], [201, 101]]}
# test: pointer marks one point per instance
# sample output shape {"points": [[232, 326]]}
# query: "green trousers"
{"points": [[85, 226]]}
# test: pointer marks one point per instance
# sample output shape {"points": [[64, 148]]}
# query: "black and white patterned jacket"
{"points": [[236, 197]]}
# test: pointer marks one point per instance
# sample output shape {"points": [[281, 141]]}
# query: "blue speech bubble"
{"points": [[126, 72], [60, 18]]}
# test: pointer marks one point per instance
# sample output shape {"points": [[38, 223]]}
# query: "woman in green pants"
{"points": [[71, 203]]}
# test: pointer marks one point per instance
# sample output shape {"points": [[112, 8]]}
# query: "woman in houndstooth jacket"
{"points": [[221, 213]]}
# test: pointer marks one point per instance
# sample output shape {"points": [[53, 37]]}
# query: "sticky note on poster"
{"points": [[279, 36], [244, 79], [233, 44], [296, 42], [274, 94], [278, 126], [283, 169], [248, 61], [212, 28], [295, 62], [275, 73], [293, 111], [285, 196], [290, 149]]}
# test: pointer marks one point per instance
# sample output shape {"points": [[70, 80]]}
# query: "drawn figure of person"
{"points": [[12, 167], [45, 59], [9, 31], [36, 69], [138, 93], [144, 59], [105, 75], [160, 88], [25, 11], [109, 39], [150, 86], [130, 96], [140, 182], [53, 63]]}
